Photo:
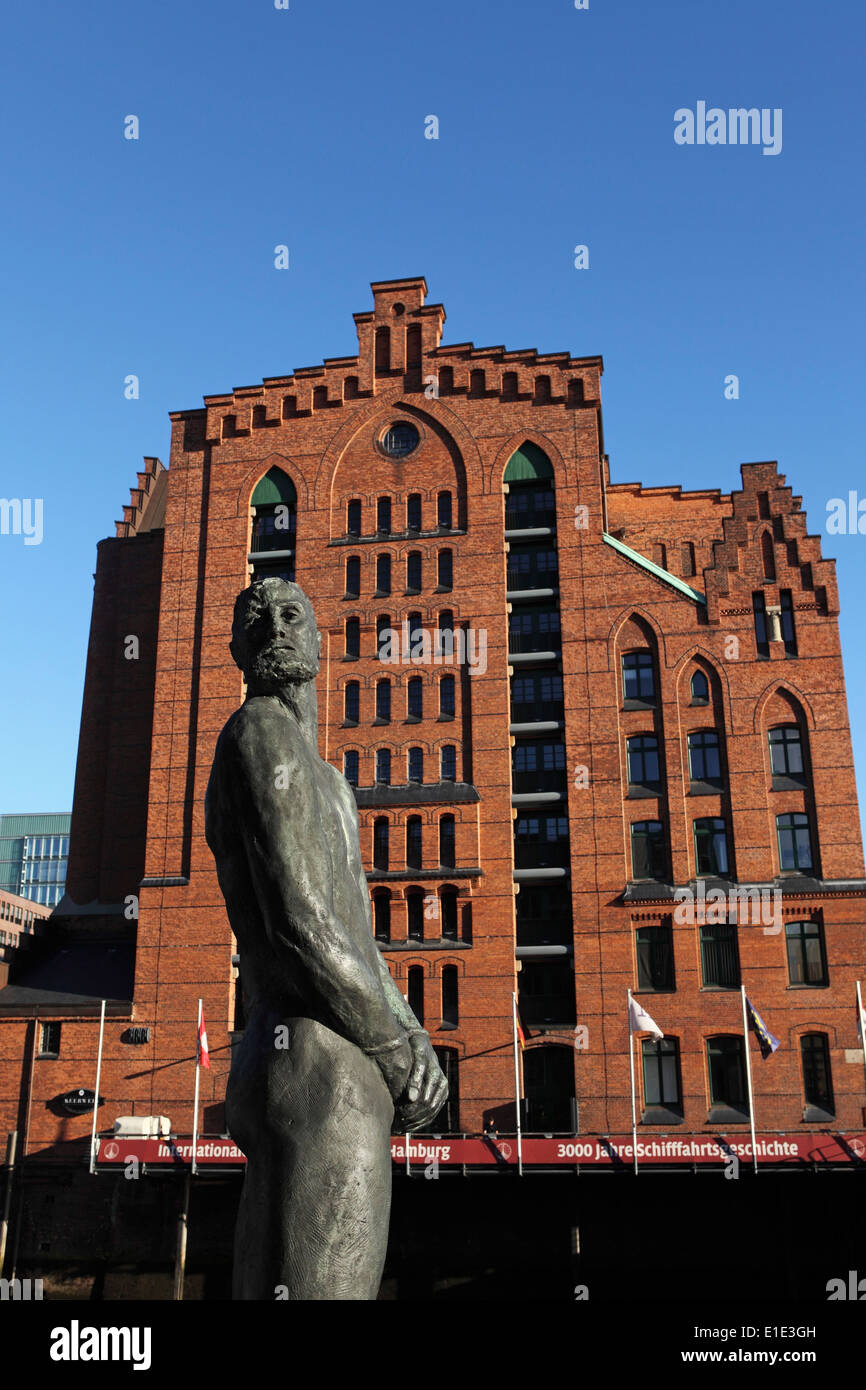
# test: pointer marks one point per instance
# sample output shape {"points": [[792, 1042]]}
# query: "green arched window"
{"points": [[528, 464], [274, 526]]}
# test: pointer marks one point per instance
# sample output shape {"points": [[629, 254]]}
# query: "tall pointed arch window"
{"points": [[274, 506]]}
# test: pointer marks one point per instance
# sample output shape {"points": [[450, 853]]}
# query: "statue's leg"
{"points": [[313, 1219]]}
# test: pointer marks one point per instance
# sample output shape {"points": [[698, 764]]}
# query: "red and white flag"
{"points": [[203, 1053]]}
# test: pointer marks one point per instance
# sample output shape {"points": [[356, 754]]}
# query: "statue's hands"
{"points": [[396, 1067], [426, 1088]]}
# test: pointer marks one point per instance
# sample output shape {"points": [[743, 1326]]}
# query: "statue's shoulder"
{"points": [[258, 726]]}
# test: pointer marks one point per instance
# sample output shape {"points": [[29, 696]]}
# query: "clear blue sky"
{"points": [[306, 127]]}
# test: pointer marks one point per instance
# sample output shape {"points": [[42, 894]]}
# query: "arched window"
{"points": [[413, 511], [384, 639], [450, 1009], [383, 766], [353, 517], [350, 766], [416, 992], [416, 765], [448, 763], [448, 908], [413, 842], [383, 349], [353, 637], [352, 697], [445, 569], [353, 576], [383, 701], [382, 916], [413, 572], [445, 635], [446, 842], [700, 688], [415, 914], [413, 345], [446, 697], [381, 840], [542, 388], [383, 515], [274, 525], [768, 556], [383, 575], [415, 697], [444, 511]]}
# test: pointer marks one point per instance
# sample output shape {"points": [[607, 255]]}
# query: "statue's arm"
{"points": [[276, 816]]}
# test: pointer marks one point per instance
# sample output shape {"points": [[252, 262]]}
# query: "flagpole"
{"points": [[96, 1097], [517, 1084], [862, 1022], [749, 1080], [195, 1103], [631, 1072]]}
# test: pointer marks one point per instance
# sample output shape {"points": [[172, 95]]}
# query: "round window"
{"points": [[401, 439]]}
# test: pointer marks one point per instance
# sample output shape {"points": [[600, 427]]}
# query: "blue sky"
{"points": [[306, 127]]}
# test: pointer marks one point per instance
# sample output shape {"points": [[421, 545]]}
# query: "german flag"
{"points": [[522, 1033]]}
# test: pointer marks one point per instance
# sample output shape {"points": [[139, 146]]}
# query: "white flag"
{"points": [[639, 1020]]}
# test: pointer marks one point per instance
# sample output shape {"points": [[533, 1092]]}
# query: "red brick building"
{"points": [[620, 692]]}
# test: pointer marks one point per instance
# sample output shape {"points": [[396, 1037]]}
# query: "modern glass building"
{"points": [[33, 854]]}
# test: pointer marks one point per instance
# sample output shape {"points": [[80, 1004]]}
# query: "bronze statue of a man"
{"points": [[331, 1049]]}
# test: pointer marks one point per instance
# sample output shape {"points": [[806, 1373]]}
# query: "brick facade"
{"points": [[149, 727]]}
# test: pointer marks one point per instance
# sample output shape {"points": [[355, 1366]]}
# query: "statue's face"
{"points": [[274, 637]]}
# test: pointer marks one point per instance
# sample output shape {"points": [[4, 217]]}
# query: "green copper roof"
{"points": [[275, 487], [528, 463], [657, 570]]}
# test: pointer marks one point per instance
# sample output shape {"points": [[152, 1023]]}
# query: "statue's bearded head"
{"points": [[274, 636]]}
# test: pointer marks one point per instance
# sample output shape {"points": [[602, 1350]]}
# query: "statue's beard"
{"points": [[274, 667]]}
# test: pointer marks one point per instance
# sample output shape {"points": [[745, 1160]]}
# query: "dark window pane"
{"points": [[705, 763], [415, 916], [383, 514], [413, 512], [383, 765], [655, 957], [661, 1072], [350, 766], [727, 1072], [413, 842], [446, 695], [711, 847], [720, 960], [416, 764], [806, 964], [381, 843], [353, 695], [815, 1055], [448, 763], [353, 518], [638, 676], [353, 637], [415, 705], [446, 842], [416, 992], [795, 843], [443, 509], [648, 852], [383, 699]]}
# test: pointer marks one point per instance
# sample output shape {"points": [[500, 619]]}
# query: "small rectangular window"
{"points": [[49, 1039]]}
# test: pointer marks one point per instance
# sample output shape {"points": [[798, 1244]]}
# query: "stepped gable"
{"points": [[146, 508], [766, 537]]}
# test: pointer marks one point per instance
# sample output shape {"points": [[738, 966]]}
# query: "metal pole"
{"points": [[96, 1097], [749, 1080], [182, 1227], [517, 1086], [11, 1146], [193, 1168], [631, 1072]]}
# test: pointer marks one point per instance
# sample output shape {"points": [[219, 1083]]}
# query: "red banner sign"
{"points": [[569, 1152]]}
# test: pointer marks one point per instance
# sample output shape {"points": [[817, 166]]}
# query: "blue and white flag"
{"points": [[767, 1042]]}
